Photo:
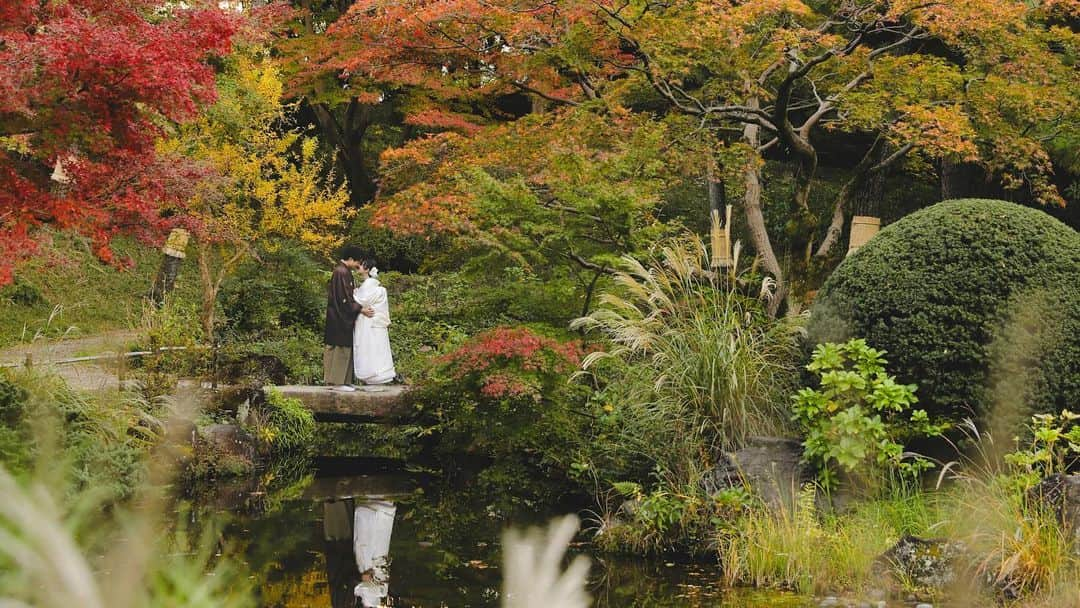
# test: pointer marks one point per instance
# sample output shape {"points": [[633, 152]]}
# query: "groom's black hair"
{"points": [[351, 252]]}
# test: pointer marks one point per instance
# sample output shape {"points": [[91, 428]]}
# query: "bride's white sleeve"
{"points": [[363, 301], [382, 309]]}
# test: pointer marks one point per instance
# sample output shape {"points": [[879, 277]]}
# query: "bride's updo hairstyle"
{"points": [[368, 263]]}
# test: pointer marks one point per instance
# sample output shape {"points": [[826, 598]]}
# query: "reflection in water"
{"points": [[373, 524], [357, 534], [436, 548], [341, 573]]}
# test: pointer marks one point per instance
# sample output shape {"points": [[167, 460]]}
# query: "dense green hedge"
{"points": [[937, 288]]}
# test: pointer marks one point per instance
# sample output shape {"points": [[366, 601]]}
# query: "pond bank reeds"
{"points": [[86, 522], [696, 365]]}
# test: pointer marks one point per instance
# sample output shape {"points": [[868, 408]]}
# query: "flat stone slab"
{"points": [[385, 403], [371, 486]]}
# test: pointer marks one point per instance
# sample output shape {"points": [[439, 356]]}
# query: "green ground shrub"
{"points": [[970, 298], [283, 288], [99, 440], [70, 292], [23, 294], [283, 424], [859, 417]]}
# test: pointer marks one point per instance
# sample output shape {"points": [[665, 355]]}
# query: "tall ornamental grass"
{"points": [[1021, 547], [695, 365]]}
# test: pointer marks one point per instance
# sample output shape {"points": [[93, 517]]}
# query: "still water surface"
{"points": [[421, 546]]}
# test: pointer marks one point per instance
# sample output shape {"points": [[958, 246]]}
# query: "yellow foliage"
{"points": [[271, 179]]}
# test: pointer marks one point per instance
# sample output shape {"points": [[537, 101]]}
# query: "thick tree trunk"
{"points": [[755, 218], [347, 136]]}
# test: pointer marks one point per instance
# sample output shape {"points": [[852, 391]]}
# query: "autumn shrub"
{"points": [[506, 392], [939, 290], [435, 313], [692, 365]]}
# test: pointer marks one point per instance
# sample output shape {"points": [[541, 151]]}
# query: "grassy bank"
{"points": [[70, 292], [980, 531]]}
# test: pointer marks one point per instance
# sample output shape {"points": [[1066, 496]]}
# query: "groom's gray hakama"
{"points": [[341, 313], [337, 365]]}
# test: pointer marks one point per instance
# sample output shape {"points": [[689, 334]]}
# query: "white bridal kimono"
{"points": [[373, 362], [373, 524]]}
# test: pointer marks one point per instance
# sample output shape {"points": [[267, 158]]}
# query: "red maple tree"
{"points": [[511, 362], [86, 88]]}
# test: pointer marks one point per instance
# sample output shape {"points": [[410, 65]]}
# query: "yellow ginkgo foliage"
{"points": [[268, 181]]}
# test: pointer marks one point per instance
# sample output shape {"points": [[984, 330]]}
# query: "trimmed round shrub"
{"points": [[976, 301]]}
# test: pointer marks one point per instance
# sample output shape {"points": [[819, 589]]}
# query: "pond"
{"points": [[302, 541]]}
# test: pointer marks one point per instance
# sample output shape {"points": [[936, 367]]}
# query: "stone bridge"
{"points": [[386, 403]]}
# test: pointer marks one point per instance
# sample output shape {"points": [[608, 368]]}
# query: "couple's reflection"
{"points": [[357, 533]]}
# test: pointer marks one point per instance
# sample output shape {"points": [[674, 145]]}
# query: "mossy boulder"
{"points": [[222, 450], [976, 301]]}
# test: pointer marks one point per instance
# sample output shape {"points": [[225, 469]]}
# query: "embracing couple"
{"points": [[357, 320]]}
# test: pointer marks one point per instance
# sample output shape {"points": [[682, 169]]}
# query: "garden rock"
{"points": [[1061, 493], [223, 449], [771, 466], [629, 508], [925, 563]]}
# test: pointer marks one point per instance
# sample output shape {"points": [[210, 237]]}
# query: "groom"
{"points": [[341, 313]]}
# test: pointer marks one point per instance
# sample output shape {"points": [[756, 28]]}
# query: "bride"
{"points": [[372, 359]]}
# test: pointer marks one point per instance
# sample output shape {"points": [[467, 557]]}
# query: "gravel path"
{"points": [[83, 375]]}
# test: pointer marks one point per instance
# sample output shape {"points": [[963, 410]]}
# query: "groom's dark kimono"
{"points": [[341, 313]]}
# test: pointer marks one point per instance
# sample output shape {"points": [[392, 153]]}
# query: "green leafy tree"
{"points": [[269, 182]]}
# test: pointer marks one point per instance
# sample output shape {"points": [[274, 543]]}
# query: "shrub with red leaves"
{"points": [[512, 362], [506, 393]]}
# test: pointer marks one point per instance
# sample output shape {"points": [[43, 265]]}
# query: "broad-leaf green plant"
{"points": [[858, 417], [1053, 447]]}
